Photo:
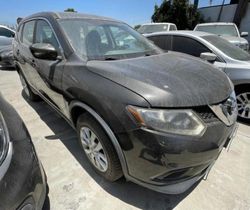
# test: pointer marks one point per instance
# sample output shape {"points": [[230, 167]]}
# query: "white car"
{"points": [[234, 61], [7, 32], [228, 31], [149, 28]]}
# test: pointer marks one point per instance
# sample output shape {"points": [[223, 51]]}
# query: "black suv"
{"points": [[22, 178], [153, 117]]}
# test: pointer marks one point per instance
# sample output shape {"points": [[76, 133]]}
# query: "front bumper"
{"points": [[171, 163], [24, 182]]}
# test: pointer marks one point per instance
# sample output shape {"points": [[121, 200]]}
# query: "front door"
{"points": [[49, 73]]}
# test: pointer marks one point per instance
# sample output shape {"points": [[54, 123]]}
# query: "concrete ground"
{"points": [[74, 186]]}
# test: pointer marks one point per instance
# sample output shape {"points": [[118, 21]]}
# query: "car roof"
{"points": [[3, 26], [68, 15], [162, 23], [215, 23], [184, 32]]}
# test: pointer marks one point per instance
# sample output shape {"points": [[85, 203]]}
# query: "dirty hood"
{"points": [[167, 80]]}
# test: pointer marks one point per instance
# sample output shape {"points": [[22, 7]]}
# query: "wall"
{"points": [[211, 14]]}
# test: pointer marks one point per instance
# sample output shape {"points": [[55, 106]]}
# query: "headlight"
{"points": [[182, 122], [4, 139]]}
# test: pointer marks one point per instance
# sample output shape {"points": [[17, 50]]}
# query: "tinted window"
{"points": [[6, 32], [228, 48], [172, 28], [223, 30], [28, 32], [147, 29], [44, 34], [188, 46], [164, 41]]}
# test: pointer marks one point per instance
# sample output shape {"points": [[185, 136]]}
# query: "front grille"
{"points": [[206, 114]]}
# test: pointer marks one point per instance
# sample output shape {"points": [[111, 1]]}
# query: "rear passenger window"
{"points": [[189, 46], [172, 28], [6, 32], [28, 32], [44, 34], [163, 41]]}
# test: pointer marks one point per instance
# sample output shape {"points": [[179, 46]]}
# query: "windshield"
{"points": [[147, 29], [228, 48], [222, 30], [106, 40]]}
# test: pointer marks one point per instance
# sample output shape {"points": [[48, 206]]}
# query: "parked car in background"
{"points": [[228, 31], [151, 116], [6, 52], [22, 179], [6, 31], [234, 61], [156, 27]]}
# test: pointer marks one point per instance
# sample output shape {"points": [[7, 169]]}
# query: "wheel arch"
{"points": [[241, 86], [77, 108]]}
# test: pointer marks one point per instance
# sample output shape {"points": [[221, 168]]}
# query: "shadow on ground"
{"points": [[128, 192], [2, 68]]}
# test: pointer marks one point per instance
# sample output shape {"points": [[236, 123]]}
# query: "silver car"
{"points": [[228, 31], [234, 61], [6, 31], [6, 52]]}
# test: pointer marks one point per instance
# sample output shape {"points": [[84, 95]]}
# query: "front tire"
{"points": [[243, 103], [27, 90], [98, 148]]}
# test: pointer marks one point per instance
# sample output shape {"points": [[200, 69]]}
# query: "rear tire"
{"points": [[98, 148], [243, 103], [27, 90]]}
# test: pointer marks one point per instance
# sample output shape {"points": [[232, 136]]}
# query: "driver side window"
{"points": [[189, 46], [44, 34]]}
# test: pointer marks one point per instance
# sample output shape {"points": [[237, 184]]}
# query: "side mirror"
{"points": [[44, 51], [244, 34], [207, 56]]}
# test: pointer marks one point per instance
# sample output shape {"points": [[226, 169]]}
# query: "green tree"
{"points": [[180, 12], [70, 10], [136, 27]]}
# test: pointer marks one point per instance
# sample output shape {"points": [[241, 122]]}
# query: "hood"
{"points": [[235, 40], [167, 80]]}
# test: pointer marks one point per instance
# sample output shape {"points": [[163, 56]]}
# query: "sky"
{"points": [[130, 11]]}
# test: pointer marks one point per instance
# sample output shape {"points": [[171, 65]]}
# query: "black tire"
{"points": [[29, 94], [240, 98], [114, 170]]}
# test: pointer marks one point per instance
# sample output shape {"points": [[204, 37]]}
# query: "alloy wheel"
{"points": [[93, 149], [243, 102]]}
